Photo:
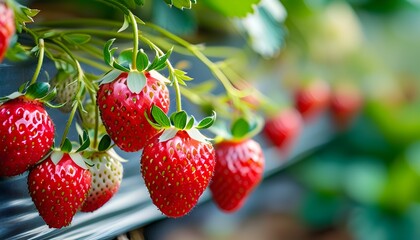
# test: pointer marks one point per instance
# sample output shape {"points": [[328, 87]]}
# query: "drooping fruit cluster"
{"points": [[122, 111], [7, 28], [239, 169], [26, 135]]}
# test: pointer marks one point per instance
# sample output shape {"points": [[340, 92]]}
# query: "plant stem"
{"points": [[69, 121], [135, 40], [41, 47], [178, 97]]}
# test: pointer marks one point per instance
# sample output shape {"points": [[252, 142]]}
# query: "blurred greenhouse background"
{"points": [[363, 184]]}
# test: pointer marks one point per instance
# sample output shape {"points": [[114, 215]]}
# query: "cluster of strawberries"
{"points": [[178, 163]]}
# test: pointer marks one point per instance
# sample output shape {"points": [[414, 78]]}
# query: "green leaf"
{"points": [[37, 90], [104, 143], [56, 156], [76, 38], [136, 81], [50, 95], [264, 28], [125, 24], [109, 52], [160, 116], [142, 60], [190, 123], [78, 159], [84, 145], [67, 146], [139, 2], [125, 58], [167, 134], [179, 119], [110, 76], [232, 8], [118, 66], [207, 122], [11, 96], [240, 128]]}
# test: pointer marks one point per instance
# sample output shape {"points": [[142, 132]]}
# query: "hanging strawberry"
{"points": [[239, 167], [178, 163], [26, 129]]}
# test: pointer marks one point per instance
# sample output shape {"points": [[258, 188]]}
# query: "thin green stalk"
{"points": [[69, 121], [92, 63], [41, 47], [135, 41]]}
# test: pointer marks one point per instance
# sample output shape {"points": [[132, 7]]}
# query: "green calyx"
{"points": [[179, 121], [241, 128]]}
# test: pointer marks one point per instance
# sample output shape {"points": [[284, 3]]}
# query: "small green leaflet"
{"points": [[110, 76], [38, 90], [142, 60], [160, 117], [84, 141], [105, 143], [240, 128], [109, 52], [67, 146], [125, 24], [136, 81], [159, 63], [180, 76], [179, 119], [207, 122]]}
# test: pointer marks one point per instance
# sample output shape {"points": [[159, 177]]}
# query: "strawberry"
{"points": [[177, 171], [26, 135], [67, 87], [58, 190], [312, 99], [106, 179], [122, 111], [7, 28], [346, 102], [283, 128], [239, 169]]}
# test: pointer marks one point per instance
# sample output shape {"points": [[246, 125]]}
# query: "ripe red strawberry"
{"points": [[7, 28], [283, 128], [122, 111], [346, 102], [107, 175], [312, 99], [26, 135], [58, 190], [239, 169], [176, 172]]}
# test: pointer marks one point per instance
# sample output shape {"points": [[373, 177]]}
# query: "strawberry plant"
{"points": [[117, 77]]}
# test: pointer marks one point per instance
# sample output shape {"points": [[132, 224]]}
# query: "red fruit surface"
{"points": [[346, 102], [7, 28], [122, 111], [312, 99], [176, 172], [239, 169], [26, 135], [106, 179], [58, 191], [283, 128]]}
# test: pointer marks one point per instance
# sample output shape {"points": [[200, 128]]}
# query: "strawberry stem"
{"points": [[41, 48], [135, 41]]}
